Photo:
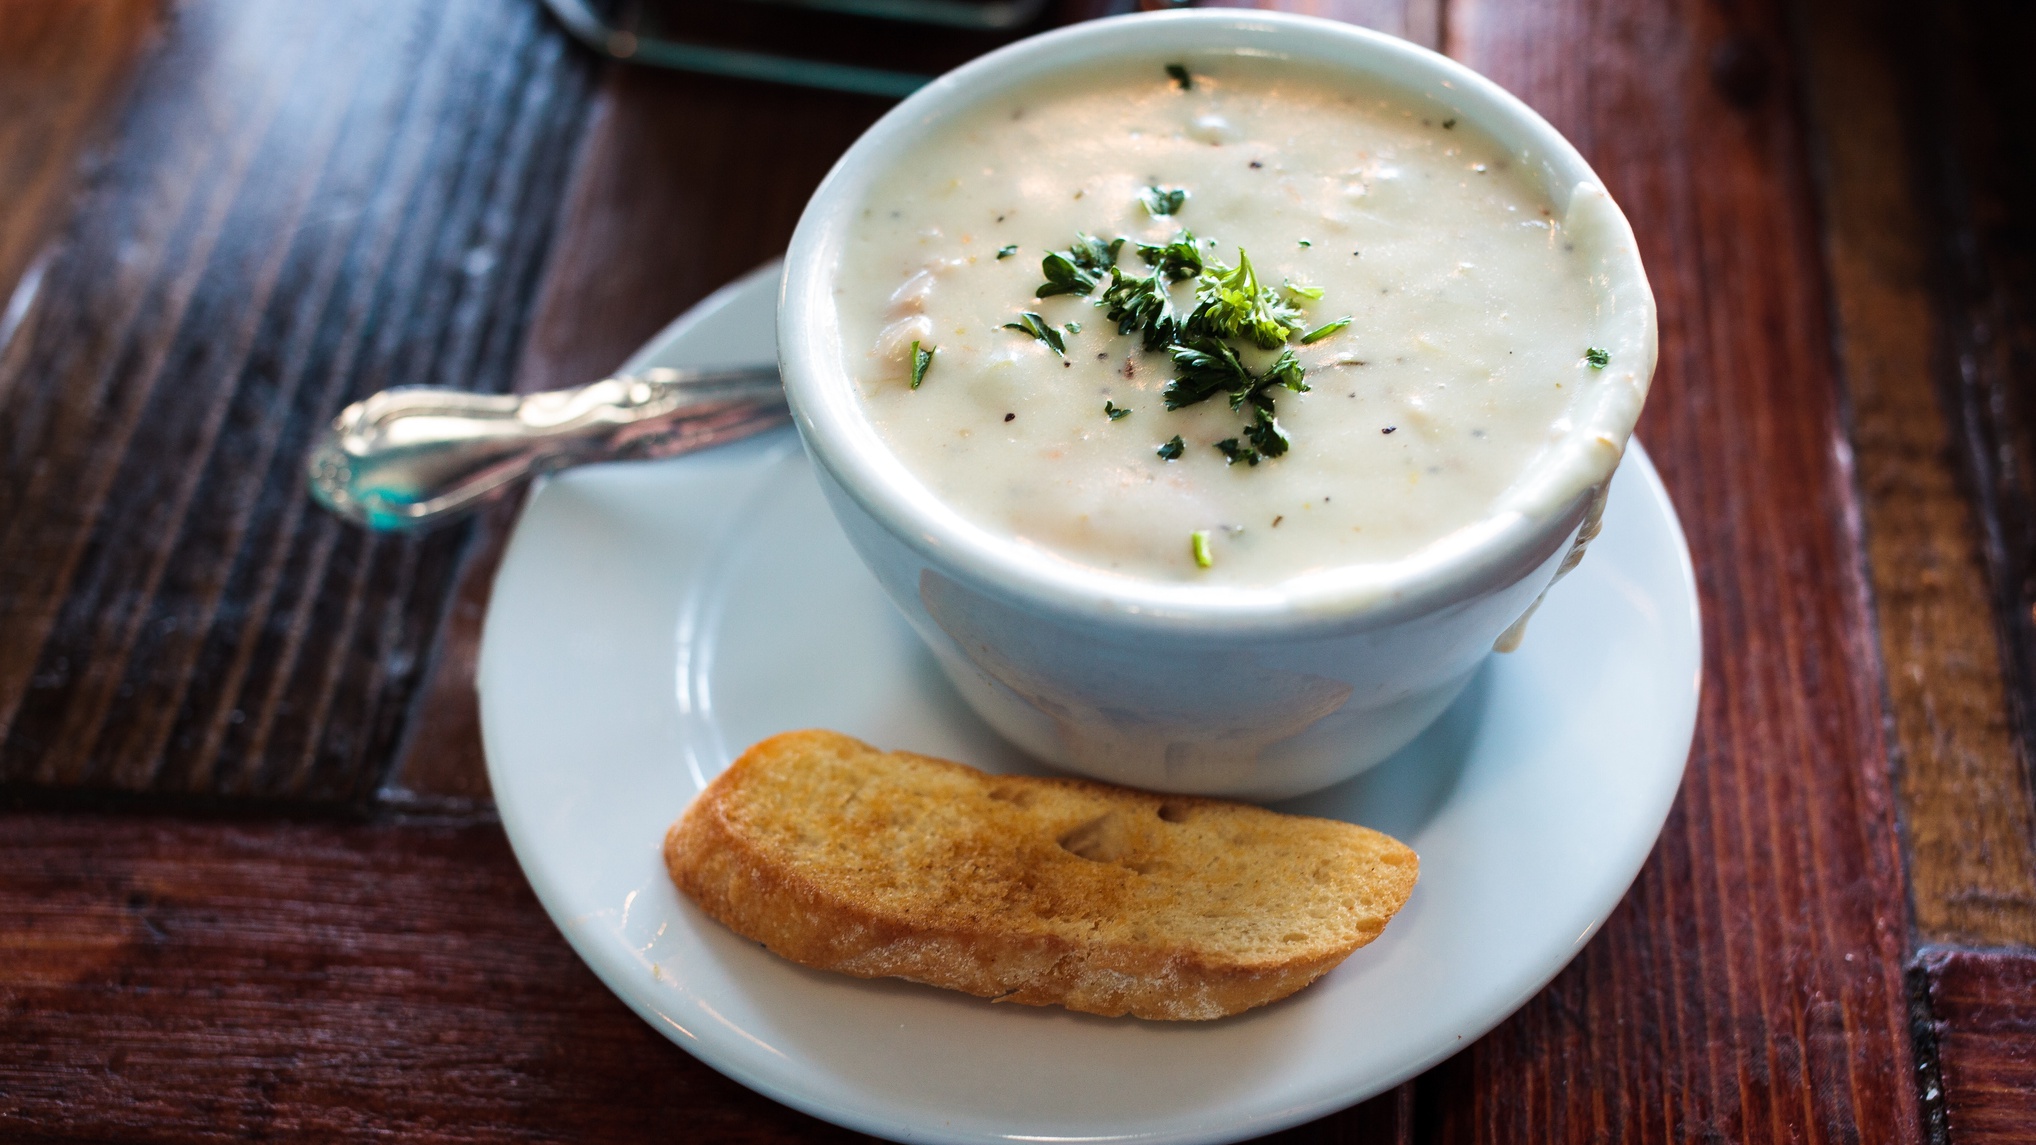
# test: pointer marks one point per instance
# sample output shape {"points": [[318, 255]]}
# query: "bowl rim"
{"points": [[1486, 555]]}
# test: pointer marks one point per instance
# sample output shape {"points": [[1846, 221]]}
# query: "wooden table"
{"points": [[250, 883]]}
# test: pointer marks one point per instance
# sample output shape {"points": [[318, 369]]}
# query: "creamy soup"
{"points": [[1478, 320]]}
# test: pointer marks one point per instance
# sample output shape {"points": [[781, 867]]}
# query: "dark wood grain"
{"points": [[63, 67], [1982, 1018], [191, 981], [1976, 114], [303, 204], [1967, 813], [1749, 988], [197, 981]]}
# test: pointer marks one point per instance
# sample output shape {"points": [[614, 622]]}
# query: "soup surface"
{"points": [[1477, 312]]}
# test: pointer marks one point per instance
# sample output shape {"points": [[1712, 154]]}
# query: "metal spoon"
{"points": [[416, 457]]}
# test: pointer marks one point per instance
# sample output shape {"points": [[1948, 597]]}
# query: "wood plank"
{"points": [[63, 68], [203, 981], [1977, 120], [1982, 1016], [189, 981], [302, 204], [1749, 988], [1968, 816]]}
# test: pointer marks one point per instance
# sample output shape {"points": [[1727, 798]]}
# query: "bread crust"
{"points": [[1038, 891]]}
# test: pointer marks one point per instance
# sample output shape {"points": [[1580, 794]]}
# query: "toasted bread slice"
{"points": [[1041, 891]]}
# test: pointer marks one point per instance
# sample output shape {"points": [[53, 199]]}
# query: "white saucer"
{"points": [[652, 619]]}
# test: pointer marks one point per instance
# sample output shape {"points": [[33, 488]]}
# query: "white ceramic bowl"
{"points": [[1255, 692]]}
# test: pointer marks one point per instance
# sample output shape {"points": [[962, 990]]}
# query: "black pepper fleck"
{"points": [[1277, 520], [1255, 164], [1389, 429], [1010, 417]]}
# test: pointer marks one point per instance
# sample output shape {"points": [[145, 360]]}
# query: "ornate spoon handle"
{"points": [[415, 457]]}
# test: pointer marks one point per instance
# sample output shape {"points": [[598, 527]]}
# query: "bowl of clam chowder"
{"points": [[1214, 390]]}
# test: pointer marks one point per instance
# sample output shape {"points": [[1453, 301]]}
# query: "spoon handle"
{"points": [[415, 457]]}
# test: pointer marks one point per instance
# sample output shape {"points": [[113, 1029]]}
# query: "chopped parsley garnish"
{"points": [[1207, 367], [1267, 439], [1077, 269], [1180, 75], [1141, 302], [1597, 358], [1177, 258], [1006, 251], [1236, 452], [1031, 323], [1305, 242], [1232, 304], [1198, 544], [1265, 435], [1324, 330], [920, 360], [1163, 200]]}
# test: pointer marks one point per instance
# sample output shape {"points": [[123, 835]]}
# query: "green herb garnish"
{"points": [[1006, 252], [1265, 435], [1305, 242], [1115, 412], [1180, 75], [1141, 302], [1198, 544], [1163, 201], [1172, 450], [1324, 330], [1267, 439], [1177, 258], [1597, 358], [1232, 304], [920, 360], [1207, 367], [1236, 452], [1077, 269], [1031, 323], [1311, 293]]}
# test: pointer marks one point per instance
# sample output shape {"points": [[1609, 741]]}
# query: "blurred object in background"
{"points": [[872, 47]]}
